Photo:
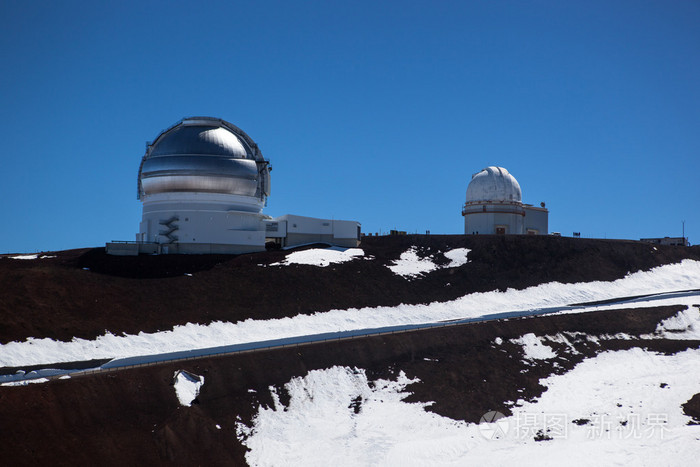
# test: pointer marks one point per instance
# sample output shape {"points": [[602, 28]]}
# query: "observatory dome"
{"points": [[493, 184], [203, 155], [200, 139]]}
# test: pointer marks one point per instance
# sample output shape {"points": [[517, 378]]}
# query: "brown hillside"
{"points": [[83, 293]]}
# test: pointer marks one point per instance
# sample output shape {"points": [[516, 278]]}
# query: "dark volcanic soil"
{"points": [[692, 409], [83, 293]]}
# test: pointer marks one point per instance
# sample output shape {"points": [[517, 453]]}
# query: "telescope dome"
{"points": [[203, 155], [493, 184], [201, 140]]}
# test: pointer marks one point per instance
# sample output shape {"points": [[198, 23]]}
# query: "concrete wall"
{"points": [[536, 220]]}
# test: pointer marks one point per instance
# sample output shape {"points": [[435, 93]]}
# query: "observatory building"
{"points": [[494, 206], [204, 183]]}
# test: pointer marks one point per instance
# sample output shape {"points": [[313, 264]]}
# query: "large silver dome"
{"points": [[207, 155]]}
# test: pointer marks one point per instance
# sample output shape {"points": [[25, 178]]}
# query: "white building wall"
{"points": [[346, 229], [203, 218], [199, 223], [275, 228], [301, 230], [202, 226], [487, 223], [485, 218], [302, 224]]}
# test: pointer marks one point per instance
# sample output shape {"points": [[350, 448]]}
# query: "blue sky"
{"points": [[373, 111]]}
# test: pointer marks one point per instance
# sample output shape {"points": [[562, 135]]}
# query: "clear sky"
{"points": [[373, 111]]}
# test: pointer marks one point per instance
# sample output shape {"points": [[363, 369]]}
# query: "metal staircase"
{"points": [[170, 228]]}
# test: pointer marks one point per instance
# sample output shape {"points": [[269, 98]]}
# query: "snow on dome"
{"points": [[493, 184]]}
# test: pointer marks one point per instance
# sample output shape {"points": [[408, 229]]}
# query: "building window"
{"points": [[500, 230]]}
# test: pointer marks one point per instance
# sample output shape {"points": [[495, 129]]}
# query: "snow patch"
{"points": [[533, 347], [410, 265], [187, 386], [34, 256], [683, 326], [457, 257], [562, 339], [321, 257], [25, 382]]}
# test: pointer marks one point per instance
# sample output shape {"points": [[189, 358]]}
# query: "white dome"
{"points": [[493, 184]]}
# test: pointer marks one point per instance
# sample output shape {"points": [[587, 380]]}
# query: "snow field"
{"points": [[621, 408], [338, 417]]}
